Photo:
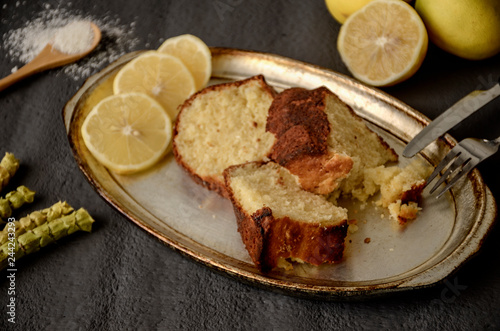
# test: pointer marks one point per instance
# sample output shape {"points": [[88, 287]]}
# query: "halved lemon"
{"points": [[383, 43], [194, 53], [127, 132], [161, 76]]}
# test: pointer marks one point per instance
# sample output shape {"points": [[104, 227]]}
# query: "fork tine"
{"points": [[464, 171], [452, 167], [447, 159]]}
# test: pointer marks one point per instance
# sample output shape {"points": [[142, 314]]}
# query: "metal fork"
{"points": [[462, 159]]}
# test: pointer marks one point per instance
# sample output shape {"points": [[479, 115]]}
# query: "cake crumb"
{"points": [[367, 240], [353, 228]]}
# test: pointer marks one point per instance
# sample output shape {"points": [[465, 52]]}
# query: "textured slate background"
{"points": [[120, 278]]}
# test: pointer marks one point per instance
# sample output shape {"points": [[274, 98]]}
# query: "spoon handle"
{"points": [[33, 67], [15, 77]]}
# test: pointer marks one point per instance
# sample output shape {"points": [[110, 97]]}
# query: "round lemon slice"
{"points": [[383, 43], [127, 132], [194, 53], [161, 76]]}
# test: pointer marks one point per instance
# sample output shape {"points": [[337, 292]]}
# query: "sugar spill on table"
{"points": [[21, 45]]}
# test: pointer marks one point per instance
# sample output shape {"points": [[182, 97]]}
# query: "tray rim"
{"points": [[463, 252]]}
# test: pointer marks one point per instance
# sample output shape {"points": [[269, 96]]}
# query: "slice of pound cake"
{"points": [[298, 119], [321, 140], [280, 222], [223, 125]]}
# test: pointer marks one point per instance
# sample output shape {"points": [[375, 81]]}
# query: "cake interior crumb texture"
{"points": [[393, 181], [400, 188], [349, 135], [270, 185], [224, 126]]}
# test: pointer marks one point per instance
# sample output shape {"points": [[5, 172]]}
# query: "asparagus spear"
{"points": [[8, 167], [14, 200], [36, 219], [40, 236]]}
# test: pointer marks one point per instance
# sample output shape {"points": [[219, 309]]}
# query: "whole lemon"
{"points": [[466, 28], [342, 9]]}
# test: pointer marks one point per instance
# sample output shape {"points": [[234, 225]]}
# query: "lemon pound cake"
{"points": [[279, 222], [223, 125], [321, 140], [298, 119]]}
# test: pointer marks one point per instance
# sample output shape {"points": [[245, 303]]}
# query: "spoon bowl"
{"points": [[49, 58]]}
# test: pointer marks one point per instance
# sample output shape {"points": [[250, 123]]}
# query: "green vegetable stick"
{"points": [[14, 200], [34, 239], [57, 210], [20, 196], [66, 225], [5, 209], [33, 220], [29, 242], [8, 167], [43, 232], [59, 227], [38, 218], [84, 220]]}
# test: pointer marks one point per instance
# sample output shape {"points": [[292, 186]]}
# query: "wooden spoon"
{"points": [[49, 58]]}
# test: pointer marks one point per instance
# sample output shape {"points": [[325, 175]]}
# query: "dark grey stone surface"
{"points": [[121, 278]]}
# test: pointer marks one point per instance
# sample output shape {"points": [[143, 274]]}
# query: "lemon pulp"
{"points": [[127, 132], [195, 55], [161, 76], [383, 43]]}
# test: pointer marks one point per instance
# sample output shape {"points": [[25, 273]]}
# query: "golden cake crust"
{"points": [[269, 239], [299, 120], [301, 127], [300, 124]]}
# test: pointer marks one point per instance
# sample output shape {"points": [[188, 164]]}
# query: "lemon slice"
{"points": [[161, 76], [383, 43], [194, 53], [127, 132]]}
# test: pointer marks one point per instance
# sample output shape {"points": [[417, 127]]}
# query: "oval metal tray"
{"points": [[200, 224]]}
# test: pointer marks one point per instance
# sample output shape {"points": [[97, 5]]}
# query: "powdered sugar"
{"points": [[23, 44], [73, 38]]}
